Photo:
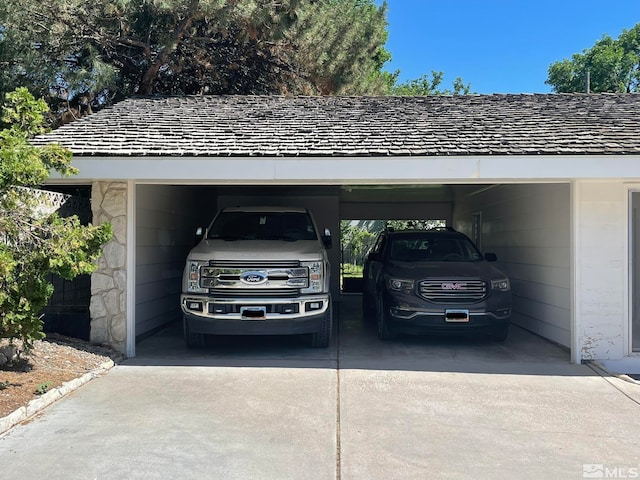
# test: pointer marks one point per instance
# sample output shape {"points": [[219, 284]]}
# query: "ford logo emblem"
{"points": [[253, 278]]}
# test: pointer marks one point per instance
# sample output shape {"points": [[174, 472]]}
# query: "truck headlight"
{"points": [[192, 278], [501, 285], [399, 284], [316, 277]]}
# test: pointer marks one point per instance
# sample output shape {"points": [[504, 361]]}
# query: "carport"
{"points": [[542, 180]]}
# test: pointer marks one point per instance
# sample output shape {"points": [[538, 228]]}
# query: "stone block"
{"points": [[119, 328], [112, 302], [119, 226], [97, 308], [101, 282], [115, 255], [114, 202]]}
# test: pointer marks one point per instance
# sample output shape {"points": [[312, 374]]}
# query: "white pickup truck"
{"points": [[258, 271]]}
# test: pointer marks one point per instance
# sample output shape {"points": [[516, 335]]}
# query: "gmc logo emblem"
{"points": [[453, 286]]}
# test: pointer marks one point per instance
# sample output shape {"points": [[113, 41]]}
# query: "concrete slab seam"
{"points": [[605, 375], [600, 369], [38, 404]]}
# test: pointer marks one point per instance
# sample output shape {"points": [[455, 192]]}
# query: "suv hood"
{"points": [[421, 270], [260, 250]]}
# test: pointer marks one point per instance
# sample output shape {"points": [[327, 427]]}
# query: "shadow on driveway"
{"points": [[356, 346]]}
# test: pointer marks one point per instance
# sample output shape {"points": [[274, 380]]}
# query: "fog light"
{"points": [[311, 306], [195, 306], [218, 308]]}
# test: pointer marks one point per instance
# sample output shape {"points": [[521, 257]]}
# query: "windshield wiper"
{"points": [[228, 238], [277, 237]]}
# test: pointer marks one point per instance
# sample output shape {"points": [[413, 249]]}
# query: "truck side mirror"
{"points": [[326, 239], [490, 257], [198, 236]]}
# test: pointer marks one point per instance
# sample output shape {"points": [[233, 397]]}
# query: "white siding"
{"points": [[528, 226], [601, 269], [166, 218]]}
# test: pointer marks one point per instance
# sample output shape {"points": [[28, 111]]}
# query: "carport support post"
{"points": [[110, 283]]}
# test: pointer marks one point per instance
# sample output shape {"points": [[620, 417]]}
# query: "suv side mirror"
{"points": [[375, 257], [198, 236], [490, 257], [326, 239]]}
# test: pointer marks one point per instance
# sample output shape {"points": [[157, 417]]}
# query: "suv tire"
{"points": [[499, 334], [368, 308], [384, 329]]}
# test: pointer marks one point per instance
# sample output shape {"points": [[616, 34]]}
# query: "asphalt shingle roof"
{"points": [[549, 124]]}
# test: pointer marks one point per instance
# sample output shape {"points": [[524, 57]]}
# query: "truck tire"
{"points": [[192, 340], [322, 338]]}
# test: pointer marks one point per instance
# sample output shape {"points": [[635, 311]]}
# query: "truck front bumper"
{"points": [[254, 316]]}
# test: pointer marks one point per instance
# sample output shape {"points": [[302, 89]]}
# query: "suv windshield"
{"points": [[425, 247], [288, 226]]}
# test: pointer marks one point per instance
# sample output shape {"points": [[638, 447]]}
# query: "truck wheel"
{"points": [[322, 338], [384, 329], [192, 340]]}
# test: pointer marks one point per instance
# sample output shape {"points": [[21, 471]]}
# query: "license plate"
{"points": [[253, 313], [456, 316]]}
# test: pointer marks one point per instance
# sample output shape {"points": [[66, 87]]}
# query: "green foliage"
{"points": [[414, 224], [613, 65], [340, 46], [42, 388], [82, 55], [91, 53], [355, 240], [426, 85], [34, 240]]}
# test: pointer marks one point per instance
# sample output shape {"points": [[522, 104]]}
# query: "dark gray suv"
{"points": [[434, 281]]}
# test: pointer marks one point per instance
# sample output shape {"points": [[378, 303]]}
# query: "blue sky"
{"points": [[498, 46]]}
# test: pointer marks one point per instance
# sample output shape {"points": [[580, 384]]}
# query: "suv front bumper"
{"points": [[408, 314]]}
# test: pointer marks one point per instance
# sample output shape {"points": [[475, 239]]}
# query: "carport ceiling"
{"points": [[360, 193]]}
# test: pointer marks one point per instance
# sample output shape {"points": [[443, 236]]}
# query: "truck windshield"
{"points": [[287, 226]]}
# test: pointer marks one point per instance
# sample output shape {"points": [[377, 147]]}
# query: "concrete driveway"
{"points": [[271, 408]]}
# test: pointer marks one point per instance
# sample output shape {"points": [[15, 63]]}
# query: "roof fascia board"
{"points": [[353, 170]]}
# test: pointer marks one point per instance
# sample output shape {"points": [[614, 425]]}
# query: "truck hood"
{"points": [[422, 270], [248, 250]]}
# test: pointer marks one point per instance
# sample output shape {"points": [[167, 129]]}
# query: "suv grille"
{"points": [[452, 290]]}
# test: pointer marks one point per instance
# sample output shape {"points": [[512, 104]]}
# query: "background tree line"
{"points": [[81, 55]]}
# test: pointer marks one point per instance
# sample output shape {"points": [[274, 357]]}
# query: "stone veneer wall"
{"points": [[109, 281]]}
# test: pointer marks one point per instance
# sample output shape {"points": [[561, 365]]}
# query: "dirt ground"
{"points": [[53, 361]]}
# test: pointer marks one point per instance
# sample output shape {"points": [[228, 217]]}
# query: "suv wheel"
{"points": [[499, 334], [192, 340], [322, 337], [368, 308], [384, 329]]}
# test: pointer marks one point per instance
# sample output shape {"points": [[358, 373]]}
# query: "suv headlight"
{"points": [[192, 277], [316, 277], [399, 284], [501, 285]]}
